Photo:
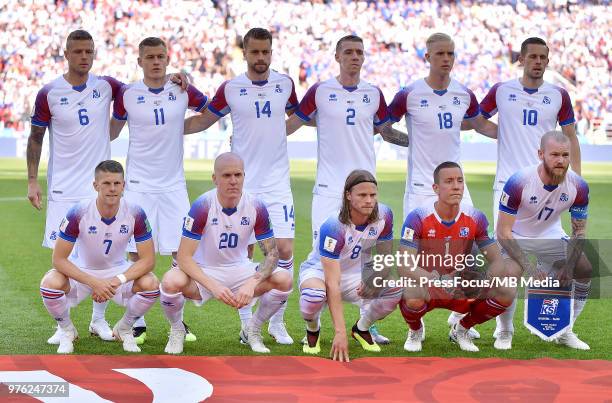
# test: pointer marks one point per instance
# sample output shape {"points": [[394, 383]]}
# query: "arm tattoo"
{"points": [[576, 244], [268, 248], [34, 150], [513, 249], [394, 136]]}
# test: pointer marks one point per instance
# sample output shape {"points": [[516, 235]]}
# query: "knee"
{"points": [[312, 299], [284, 282], [412, 303], [54, 280], [174, 281], [147, 282], [285, 250]]}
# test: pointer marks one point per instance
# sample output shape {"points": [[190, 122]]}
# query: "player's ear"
{"points": [[139, 61], [541, 155], [436, 188]]}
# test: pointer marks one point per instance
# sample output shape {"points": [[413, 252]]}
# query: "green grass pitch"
{"points": [[25, 324]]}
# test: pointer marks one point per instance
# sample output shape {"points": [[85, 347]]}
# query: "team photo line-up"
{"points": [[143, 211]]}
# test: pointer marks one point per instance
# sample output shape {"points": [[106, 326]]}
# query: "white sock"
{"points": [[140, 322], [581, 294], [57, 305], [279, 316], [246, 314], [98, 310], [138, 305], [269, 303], [172, 305], [377, 309], [504, 321]]}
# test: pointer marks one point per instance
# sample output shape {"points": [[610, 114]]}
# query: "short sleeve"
{"points": [[482, 230], [473, 109], [387, 216], [412, 230], [488, 106], [42, 114], [195, 221], [69, 227], [114, 84], [511, 196], [382, 113], [219, 105], [119, 111], [196, 100], [142, 228], [566, 112], [292, 102], [263, 224], [331, 239], [398, 107], [308, 106], [579, 209]]}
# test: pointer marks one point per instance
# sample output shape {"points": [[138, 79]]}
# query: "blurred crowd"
{"points": [[204, 39]]}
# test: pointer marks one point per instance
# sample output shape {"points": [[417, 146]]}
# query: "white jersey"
{"points": [[538, 207], [524, 116], [79, 140], [156, 119], [224, 233], [350, 244], [433, 119], [102, 243], [259, 133], [345, 119]]}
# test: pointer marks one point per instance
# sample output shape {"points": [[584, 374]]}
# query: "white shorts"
{"points": [[165, 212], [415, 200], [230, 277], [322, 208], [348, 282], [280, 207], [548, 248], [56, 211], [79, 291]]}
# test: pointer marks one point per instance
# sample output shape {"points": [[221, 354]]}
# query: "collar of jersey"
{"points": [[155, 90], [108, 221], [229, 211], [260, 83], [350, 89], [440, 92], [530, 90], [550, 188], [79, 88], [446, 223], [361, 227]]}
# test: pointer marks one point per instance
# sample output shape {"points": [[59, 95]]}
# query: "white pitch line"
{"points": [[14, 199]]}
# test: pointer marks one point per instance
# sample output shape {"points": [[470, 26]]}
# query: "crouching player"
{"points": [[436, 242], [100, 230], [213, 259], [333, 271]]}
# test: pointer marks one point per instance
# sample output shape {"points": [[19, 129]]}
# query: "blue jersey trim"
{"points": [[329, 255], [191, 235], [79, 88], [216, 112], [302, 116], [156, 90], [39, 123], [382, 121], [117, 117], [567, 121], [67, 237], [269, 234], [143, 238], [440, 92], [507, 210], [409, 244], [202, 105]]}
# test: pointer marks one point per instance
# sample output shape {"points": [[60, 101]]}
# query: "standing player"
{"points": [[155, 111], [528, 107], [333, 271], [348, 112], [213, 257], [101, 229], [258, 101], [530, 210], [75, 107], [441, 236], [437, 108]]}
